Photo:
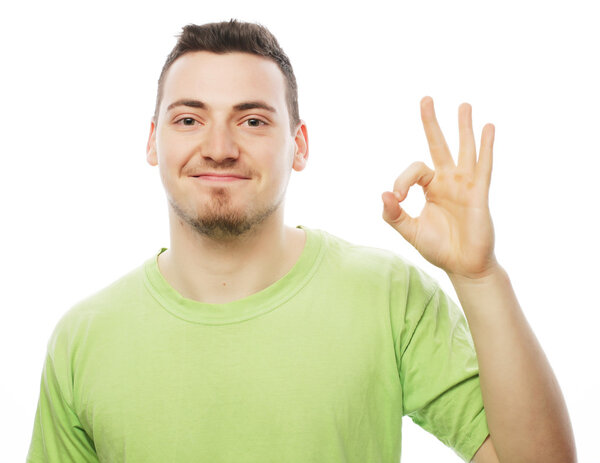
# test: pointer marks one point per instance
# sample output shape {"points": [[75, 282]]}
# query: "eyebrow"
{"points": [[238, 107]]}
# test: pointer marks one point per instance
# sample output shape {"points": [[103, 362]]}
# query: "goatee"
{"points": [[220, 222]]}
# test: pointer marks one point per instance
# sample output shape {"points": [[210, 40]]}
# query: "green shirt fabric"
{"points": [[318, 367]]}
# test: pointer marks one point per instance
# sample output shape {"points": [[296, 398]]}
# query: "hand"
{"points": [[454, 230]]}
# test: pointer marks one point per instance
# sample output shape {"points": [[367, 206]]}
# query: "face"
{"points": [[222, 142]]}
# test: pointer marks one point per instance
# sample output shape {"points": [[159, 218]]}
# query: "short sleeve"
{"points": [[440, 375], [58, 436]]}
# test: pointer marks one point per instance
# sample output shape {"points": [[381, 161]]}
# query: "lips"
{"points": [[220, 176]]}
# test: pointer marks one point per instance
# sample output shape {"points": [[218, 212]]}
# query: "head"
{"points": [[234, 36], [224, 133]]}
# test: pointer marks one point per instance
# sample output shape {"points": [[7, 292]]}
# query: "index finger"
{"points": [[437, 143]]}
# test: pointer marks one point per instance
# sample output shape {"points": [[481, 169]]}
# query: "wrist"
{"points": [[487, 299], [491, 270], [492, 276]]}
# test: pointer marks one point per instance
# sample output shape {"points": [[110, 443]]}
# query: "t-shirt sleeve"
{"points": [[439, 372], [58, 436]]}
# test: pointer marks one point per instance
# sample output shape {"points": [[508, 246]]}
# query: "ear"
{"points": [[301, 147], [151, 155]]}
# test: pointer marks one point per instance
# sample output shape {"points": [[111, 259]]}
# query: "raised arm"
{"points": [[526, 413]]}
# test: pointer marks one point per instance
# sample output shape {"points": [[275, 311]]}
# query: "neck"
{"points": [[220, 271]]}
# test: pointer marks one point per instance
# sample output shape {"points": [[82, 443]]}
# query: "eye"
{"points": [[255, 122], [186, 121]]}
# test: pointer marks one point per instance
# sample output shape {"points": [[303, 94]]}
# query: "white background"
{"points": [[82, 207]]}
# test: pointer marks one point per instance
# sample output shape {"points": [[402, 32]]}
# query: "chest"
{"points": [[281, 381]]}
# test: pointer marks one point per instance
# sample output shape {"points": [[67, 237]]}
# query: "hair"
{"points": [[234, 36]]}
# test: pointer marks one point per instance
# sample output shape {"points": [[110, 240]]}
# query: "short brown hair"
{"points": [[234, 36]]}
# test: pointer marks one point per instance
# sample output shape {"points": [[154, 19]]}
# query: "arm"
{"points": [[58, 436], [526, 413]]}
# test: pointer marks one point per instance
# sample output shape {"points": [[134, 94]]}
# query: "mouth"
{"points": [[226, 177]]}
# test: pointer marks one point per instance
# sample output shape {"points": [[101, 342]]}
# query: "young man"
{"points": [[251, 341]]}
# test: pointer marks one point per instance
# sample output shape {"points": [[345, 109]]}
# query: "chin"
{"points": [[225, 222]]}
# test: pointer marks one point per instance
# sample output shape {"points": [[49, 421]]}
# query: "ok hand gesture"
{"points": [[454, 230]]}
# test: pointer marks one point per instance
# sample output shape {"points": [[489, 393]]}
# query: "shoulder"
{"points": [[99, 308], [358, 256], [372, 263]]}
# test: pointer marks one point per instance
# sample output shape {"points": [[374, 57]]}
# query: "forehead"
{"points": [[224, 79]]}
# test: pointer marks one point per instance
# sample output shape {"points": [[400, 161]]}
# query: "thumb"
{"points": [[397, 217]]}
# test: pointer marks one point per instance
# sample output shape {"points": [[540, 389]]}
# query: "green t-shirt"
{"points": [[318, 367]]}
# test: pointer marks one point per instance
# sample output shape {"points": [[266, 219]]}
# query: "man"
{"points": [[251, 341]]}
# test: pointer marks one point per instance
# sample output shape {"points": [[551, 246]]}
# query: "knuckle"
{"points": [[418, 165]]}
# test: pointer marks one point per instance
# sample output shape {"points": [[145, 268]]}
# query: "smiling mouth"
{"points": [[220, 178]]}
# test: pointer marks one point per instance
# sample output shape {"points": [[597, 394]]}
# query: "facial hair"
{"points": [[220, 222]]}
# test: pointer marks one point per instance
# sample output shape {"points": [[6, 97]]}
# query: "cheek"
{"points": [[281, 170], [172, 152], [170, 161]]}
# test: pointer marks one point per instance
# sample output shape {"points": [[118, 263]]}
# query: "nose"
{"points": [[219, 144]]}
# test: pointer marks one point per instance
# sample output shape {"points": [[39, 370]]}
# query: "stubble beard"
{"points": [[220, 221]]}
